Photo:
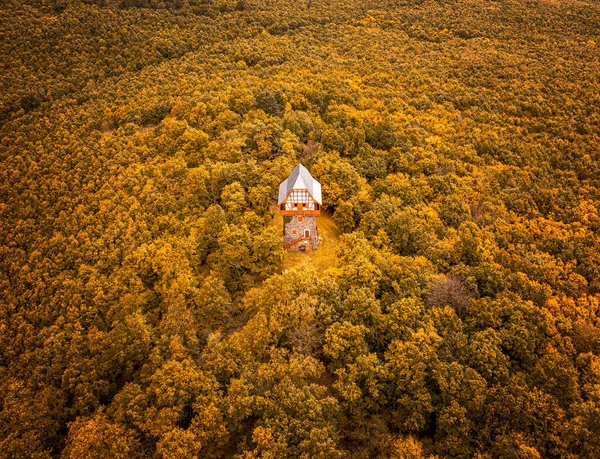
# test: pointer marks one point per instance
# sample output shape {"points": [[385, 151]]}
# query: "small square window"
{"points": [[293, 231], [299, 219]]}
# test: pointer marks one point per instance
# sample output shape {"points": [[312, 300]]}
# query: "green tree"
{"points": [[344, 216]]}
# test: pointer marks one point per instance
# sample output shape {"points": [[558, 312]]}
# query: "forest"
{"points": [[145, 307]]}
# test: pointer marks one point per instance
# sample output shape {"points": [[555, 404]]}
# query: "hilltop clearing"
{"points": [[321, 259]]}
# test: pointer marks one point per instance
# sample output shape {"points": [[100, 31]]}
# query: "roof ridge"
{"points": [[300, 171]]}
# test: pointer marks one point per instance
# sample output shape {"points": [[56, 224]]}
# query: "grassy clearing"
{"points": [[324, 257]]}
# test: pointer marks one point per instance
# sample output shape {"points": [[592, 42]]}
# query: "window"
{"points": [[306, 233], [294, 232], [299, 219], [300, 196]]}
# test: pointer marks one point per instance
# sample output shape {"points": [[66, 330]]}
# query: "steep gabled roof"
{"points": [[300, 178]]}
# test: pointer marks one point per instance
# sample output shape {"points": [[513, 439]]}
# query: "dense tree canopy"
{"points": [[144, 311]]}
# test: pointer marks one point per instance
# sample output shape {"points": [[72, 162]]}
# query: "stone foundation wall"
{"points": [[308, 223]]}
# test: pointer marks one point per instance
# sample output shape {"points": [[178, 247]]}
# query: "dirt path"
{"points": [[324, 257]]}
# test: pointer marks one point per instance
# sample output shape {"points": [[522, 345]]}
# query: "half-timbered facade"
{"points": [[300, 204]]}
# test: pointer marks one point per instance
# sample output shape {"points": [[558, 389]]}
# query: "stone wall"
{"points": [[308, 223]]}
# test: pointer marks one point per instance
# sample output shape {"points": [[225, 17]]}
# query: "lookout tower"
{"points": [[300, 204]]}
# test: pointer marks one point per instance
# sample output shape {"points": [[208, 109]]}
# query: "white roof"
{"points": [[300, 178]]}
